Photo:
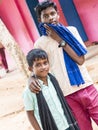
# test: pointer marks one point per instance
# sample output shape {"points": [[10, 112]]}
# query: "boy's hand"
{"points": [[52, 33], [33, 85]]}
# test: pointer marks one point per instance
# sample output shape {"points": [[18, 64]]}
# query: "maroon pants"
{"points": [[3, 58], [84, 105]]}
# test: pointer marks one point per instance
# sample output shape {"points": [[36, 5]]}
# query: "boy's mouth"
{"points": [[53, 22]]}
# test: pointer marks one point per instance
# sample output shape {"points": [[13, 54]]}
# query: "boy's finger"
{"points": [[34, 88], [47, 27]]}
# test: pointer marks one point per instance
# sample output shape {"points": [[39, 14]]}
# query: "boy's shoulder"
{"points": [[27, 91], [42, 41], [71, 28], [75, 32], [41, 38]]}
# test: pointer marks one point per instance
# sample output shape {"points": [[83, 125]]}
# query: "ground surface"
{"points": [[12, 114]]}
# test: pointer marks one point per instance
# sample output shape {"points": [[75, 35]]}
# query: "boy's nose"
{"points": [[43, 66], [50, 17]]}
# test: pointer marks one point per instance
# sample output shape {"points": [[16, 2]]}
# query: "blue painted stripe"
{"points": [[72, 17], [31, 5]]}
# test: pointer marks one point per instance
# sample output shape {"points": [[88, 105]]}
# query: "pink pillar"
{"points": [[88, 12], [27, 18], [19, 23]]}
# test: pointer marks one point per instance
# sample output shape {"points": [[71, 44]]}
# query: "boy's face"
{"points": [[49, 15], [40, 67]]}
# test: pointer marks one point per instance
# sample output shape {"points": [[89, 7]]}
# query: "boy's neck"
{"points": [[44, 79]]}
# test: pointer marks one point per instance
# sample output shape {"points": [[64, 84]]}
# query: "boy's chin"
{"points": [[54, 23], [42, 76]]}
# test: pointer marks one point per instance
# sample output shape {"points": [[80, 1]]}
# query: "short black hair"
{"points": [[35, 54], [43, 5]]}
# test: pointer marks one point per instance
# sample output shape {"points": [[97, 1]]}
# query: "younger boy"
{"points": [[48, 109]]}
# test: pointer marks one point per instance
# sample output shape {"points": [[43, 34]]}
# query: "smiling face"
{"points": [[49, 15], [40, 68]]}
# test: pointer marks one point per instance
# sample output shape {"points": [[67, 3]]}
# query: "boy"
{"points": [[46, 110], [82, 97], [3, 59]]}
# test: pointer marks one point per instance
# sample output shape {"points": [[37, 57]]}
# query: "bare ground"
{"points": [[12, 114]]}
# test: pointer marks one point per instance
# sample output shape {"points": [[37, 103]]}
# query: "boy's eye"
{"points": [[53, 13], [46, 16], [45, 63], [37, 65]]}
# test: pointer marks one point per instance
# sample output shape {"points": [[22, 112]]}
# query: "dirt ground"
{"points": [[12, 114]]}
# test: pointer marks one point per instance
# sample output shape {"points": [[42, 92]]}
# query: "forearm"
{"points": [[78, 59], [33, 120]]}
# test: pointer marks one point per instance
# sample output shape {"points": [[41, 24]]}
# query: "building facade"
{"points": [[19, 17]]}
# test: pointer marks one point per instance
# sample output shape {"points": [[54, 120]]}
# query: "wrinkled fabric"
{"points": [[73, 71], [45, 114]]}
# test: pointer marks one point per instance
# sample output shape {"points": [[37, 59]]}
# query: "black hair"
{"points": [[43, 5], [35, 54]]}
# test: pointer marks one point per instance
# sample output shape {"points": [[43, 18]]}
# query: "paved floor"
{"points": [[12, 85]]}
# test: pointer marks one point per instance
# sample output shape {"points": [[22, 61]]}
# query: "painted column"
{"points": [[31, 6], [88, 12], [72, 17], [19, 24], [27, 18]]}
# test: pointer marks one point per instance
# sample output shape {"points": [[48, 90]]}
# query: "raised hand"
{"points": [[34, 85], [52, 33]]}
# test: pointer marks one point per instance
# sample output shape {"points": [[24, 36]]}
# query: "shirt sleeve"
{"points": [[28, 100]]}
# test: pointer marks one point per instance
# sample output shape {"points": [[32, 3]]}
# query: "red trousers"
{"points": [[84, 105], [3, 58]]}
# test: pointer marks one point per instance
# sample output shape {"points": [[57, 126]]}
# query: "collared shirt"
{"points": [[57, 65], [49, 92]]}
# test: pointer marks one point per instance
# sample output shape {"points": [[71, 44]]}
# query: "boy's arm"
{"points": [[78, 59], [75, 32], [33, 120]]}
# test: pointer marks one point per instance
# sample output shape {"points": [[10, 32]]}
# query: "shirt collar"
{"points": [[41, 82]]}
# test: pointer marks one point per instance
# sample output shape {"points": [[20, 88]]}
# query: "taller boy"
{"points": [[71, 73]]}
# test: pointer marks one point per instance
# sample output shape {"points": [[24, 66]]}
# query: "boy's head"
{"points": [[38, 62], [46, 12]]}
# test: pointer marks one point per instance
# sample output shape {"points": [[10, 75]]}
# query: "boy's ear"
{"points": [[30, 68]]}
